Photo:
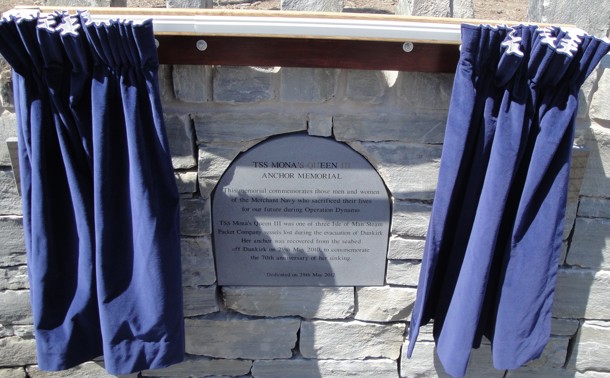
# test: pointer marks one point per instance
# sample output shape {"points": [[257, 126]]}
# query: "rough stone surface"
{"points": [[410, 219], [304, 368], [425, 91], [228, 336], [365, 86], [315, 85], [195, 217], [384, 126], [8, 129], [16, 351], [240, 126], [384, 304], [200, 300], [197, 262], [186, 181], [6, 84], [189, 3], [590, 246], [405, 249], [86, 3], [10, 200], [192, 83], [582, 293], [13, 246], [596, 183], [591, 349], [13, 373], [203, 367], [180, 138], [15, 307], [576, 12], [85, 370], [599, 110], [436, 8], [312, 5], [405, 273], [306, 302], [343, 340], [166, 85], [14, 278], [410, 171], [320, 125], [564, 327], [243, 84], [594, 207], [554, 354], [213, 161], [532, 372]]}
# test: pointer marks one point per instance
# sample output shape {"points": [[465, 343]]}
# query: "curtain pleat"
{"points": [[101, 211], [492, 249]]}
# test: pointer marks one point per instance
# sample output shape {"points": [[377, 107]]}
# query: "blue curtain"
{"points": [[100, 201], [493, 244]]}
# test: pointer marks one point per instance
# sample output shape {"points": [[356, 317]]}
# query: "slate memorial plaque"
{"points": [[299, 210]]}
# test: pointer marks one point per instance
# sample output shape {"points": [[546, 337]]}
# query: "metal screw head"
{"points": [[201, 45], [407, 46]]}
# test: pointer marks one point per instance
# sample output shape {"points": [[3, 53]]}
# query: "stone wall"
{"points": [[396, 121]]}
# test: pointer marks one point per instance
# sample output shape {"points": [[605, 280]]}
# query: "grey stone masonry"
{"points": [[582, 293], [410, 219], [312, 5], [195, 217], [15, 307], [189, 3], [243, 84], [384, 304], [13, 246], [192, 83], [8, 128], [197, 261], [10, 200], [591, 349], [306, 368], [200, 300], [305, 85], [204, 366], [591, 243], [382, 126], [17, 351], [213, 161], [436, 8], [180, 136], [405, 248], [404, 273]]}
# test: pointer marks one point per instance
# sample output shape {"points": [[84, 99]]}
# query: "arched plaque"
{"points": [[299, 210]]}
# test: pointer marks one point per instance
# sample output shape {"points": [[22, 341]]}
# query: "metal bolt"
{"points": [[407, 46], [202, 45]]}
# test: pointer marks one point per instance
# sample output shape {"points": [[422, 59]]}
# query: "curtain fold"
{"points": [[492, 249], [101, 211]]}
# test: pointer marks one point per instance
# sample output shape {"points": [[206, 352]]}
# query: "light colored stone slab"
{"points": [[243, 84], [85, 370], [590, 247], [581, 13], [243, 126], [15, 351], [180, 138], [594, 208], [189, 3], [410, 219], [421, 90], [213, 162], [8, 129], [200, 300], [385, 126], [436, 8], [12, 245], [192, 83], [406, 249], [306, 302], [384, 304], [13, 373], [6, 85], [308, 85], [86, 3], [229, 336], [15, 307], [596, 183], [14, 278], [312, 5], [186, 182], [582, 293], [197, 262], [343, 340], [530, 372], [365, 86], [202, 367], [404, 273], [591, 348], [195, 217], [320, 125], [304, 368]]}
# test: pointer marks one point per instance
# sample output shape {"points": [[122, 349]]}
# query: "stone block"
{"points": [[312, 5], [213, 161], [582, 293], [306, 302], [309, 85], [197, 262], [200, 300], [436, 8], [243, 84], [186, 182], [406, 249], [384, 126], [591, 348], [384, 304], [365, 86], [404, 273], [532, 372], [410, 219], [202, 367], [320, 125], [581, 13], [425, 91], [16, 351], [10, 200], [22, 331], [596, 182], [598, 110], [554, 354], [192, 83], [8, 129], [189, 3], [86, 3], [232, 336], [410, 171], [11, 238], [590, 247], [346, 340], [594, 207], [180, 138], [195, 217], [241, 126], [6, 85], [13, 373], [304, 368], [14, 278], [166, 85], [86, 370], [564, 327], [15, 307]]}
